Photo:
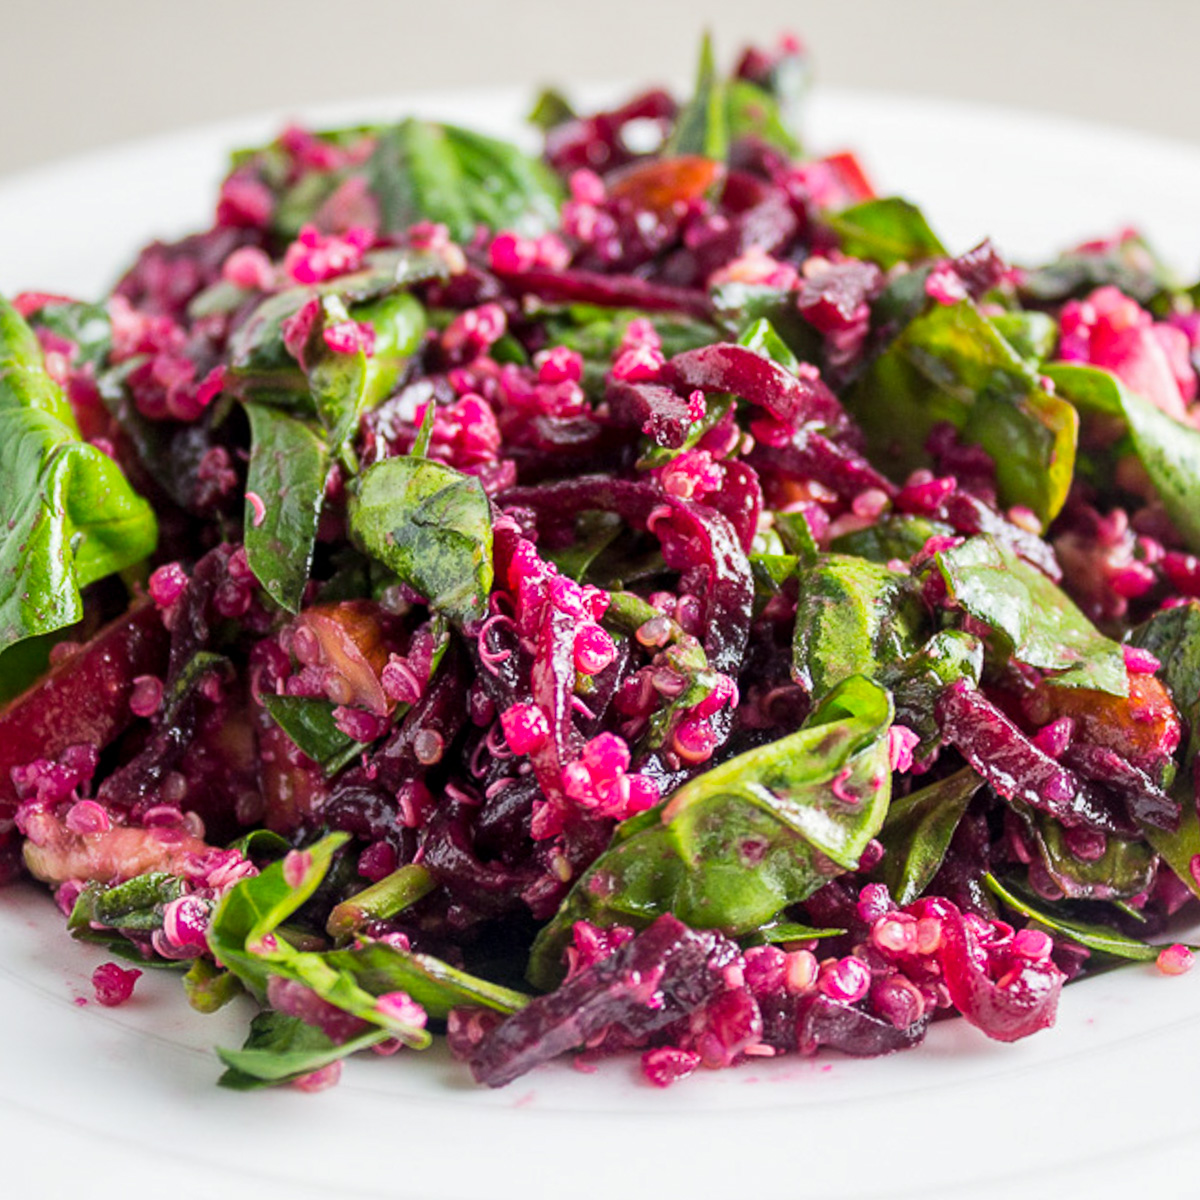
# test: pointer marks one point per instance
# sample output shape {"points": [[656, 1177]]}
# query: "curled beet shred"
{"points": [[795, 400], [1000, 991], [1016, 768]]}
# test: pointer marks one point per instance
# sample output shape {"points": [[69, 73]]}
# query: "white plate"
{"points": [[122, 1103]]}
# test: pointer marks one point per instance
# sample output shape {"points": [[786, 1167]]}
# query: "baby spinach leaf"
{"points": [[1034, 619], [918, 681], [736, 306], [345, 386], [890, 538], [886, 231], [281, 1049], [430, 524], [1130, 264], [289, 464], [853, 617], [1172, 635], [86, 325], [736, 845], [550, 109], [1033, 335], [1168, 450], [247, 936], [951, 364], [918, 830], [308, 721], [423, 171], [1100, 938], [435, 985], [72, 517], [1126, 868], [595, 531]]}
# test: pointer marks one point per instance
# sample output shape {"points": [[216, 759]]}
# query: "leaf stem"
{"points": [[393, 894]]}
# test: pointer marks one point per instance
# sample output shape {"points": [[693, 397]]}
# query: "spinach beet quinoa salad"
{"points": [[641, 599]]}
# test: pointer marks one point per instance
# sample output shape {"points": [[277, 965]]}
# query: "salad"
{"points": [[649, 598]]}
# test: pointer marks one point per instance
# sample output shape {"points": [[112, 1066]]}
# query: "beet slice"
{"points": [[84, 699]]}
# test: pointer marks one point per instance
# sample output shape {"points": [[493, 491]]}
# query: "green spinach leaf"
{"points": [[1033, 619], [853, 617], [918, 830], [1100, 938], [1168, 450], [72, 517], [431, 525], [886, 231], [740, 843], [289, 464], [951, 364]]}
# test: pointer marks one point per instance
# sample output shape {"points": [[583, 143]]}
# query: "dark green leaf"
{"points": [[289, 464], [702, 127], [1130, 265], [853, 617], [281, 1049], [308, 721], [918, 681], [436, 986], [951, 364], [345, 386], [740, 843], [71, 516], [1100, 938], [424, 171], [1172, 635], [788, 931], [260, 844], [595, 532], [892, 537], [771, 572], [918, 830], [22, 664], [1168, 450], [1035, 621], [432, 526], [1126, 868], [737, 306], [550, 109], [886, 231], [135, 905], [796, 535]]}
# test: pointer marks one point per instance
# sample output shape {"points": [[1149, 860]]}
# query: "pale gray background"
{"points": [[79, 74]]}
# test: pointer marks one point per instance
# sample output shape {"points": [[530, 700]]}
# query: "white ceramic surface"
{"points": [[107, 1103]]}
